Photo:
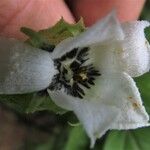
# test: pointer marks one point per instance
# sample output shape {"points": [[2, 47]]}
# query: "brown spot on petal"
{"points": [[135, 105], [130, 97]]}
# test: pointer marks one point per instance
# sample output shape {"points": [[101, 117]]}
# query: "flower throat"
{"points": [[74, 73]]}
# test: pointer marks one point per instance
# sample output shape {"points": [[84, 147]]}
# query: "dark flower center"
{"points": [[74, 73]]}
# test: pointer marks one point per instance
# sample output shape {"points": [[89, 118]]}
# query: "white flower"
{"points": [[23, 69], [136, 48], [91, 74]]}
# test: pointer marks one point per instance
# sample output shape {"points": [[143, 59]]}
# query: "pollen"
{"points": [[83, 76]]}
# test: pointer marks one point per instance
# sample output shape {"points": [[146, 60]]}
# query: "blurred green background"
{"points": [[45, 130], [145, 15]]}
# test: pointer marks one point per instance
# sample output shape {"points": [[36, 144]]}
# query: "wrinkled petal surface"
{"points": [[107, 57], [107, 29], [96, 118], [136, 49], [120, 90], [113, 103], [132, 51], [23, 69]]}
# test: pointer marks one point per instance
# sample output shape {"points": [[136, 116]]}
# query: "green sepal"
{"points": [[36, 39], [61, 31], [53, 35]]}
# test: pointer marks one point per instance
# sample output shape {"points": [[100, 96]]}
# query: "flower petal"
{"points": [[132, 55], [113, 103], [93, 115], [23, 69], [120, 90], [105, 30], [133, 114], [107, 57], [136, 49]]}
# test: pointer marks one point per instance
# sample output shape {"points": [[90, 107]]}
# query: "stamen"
{"points": [[73, 73], [83, 76], [83, 54], [75, 65], [69, 55]]}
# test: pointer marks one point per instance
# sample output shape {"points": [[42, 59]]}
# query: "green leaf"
{"points": [[128, 140], [17, 102], [115, 141], [143, 83], [147, 33], [77, 139], [53, 35], [145, 15], [46, 146], [29, 103]]}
